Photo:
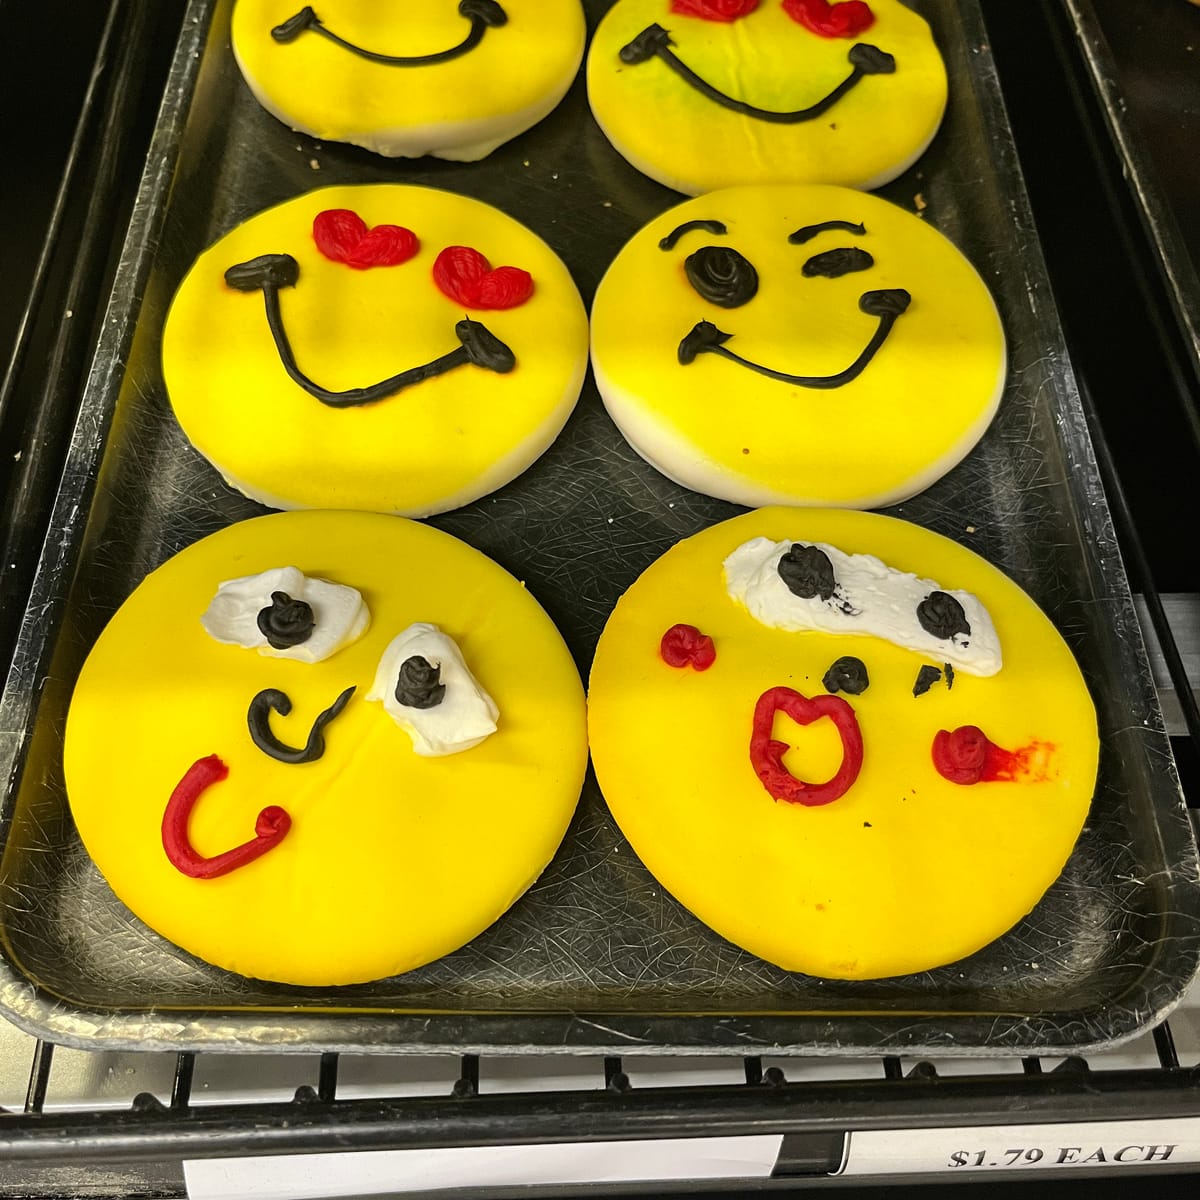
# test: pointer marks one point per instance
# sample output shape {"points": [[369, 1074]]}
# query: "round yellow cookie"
{"points": [[890, 870], [389, 858], [797, 345], [406, 79], [700, 104], [441, 436]]}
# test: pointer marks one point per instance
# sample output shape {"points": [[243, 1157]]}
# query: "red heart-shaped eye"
{"points": [[714, 10], [464, 275], [343, 236], [847, 19]]}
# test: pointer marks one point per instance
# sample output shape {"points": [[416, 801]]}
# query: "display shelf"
{"points": [[122, 1124]]}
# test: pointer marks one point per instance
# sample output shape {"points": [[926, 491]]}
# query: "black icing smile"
{"points": [[655, 41], [888, 304], [478, 345], [483, 15]]}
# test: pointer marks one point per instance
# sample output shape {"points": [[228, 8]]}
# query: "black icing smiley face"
{"points": [[452, 78], [702, 94], [388, 348], [797, 345]]}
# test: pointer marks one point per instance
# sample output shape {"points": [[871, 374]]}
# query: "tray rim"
{"points": [[517, 1032]]}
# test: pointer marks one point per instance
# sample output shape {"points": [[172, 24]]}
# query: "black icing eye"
{"points": [[286, 622], [849, 675], [418, 684], [807, 572], [722, 276], [832, 264], [942, 616]]}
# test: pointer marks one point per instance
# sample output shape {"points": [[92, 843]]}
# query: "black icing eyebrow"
{"points": [[807, 232], [672, 238]]}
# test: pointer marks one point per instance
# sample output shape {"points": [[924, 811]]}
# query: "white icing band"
{"points": [[466, 714], [339, 614], [869, 597]]}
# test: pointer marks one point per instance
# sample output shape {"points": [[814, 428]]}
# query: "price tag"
{"points": [[1007, 1150], [362, 1173]]}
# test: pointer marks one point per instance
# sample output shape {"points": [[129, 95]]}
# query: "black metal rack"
{"points": [[1107, 279]]}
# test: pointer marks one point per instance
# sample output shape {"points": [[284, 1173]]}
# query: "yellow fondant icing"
{"points": [[917, 408], [392, 860], [906, 871], [460, 108], [684, 139], [433, 446]]}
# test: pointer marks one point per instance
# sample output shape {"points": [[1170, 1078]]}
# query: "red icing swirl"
{"points": [[847, 19], [714, 10], [343, 236], [463, 274], [685, 645], [269, 830], [766, 754], [967, 756]]}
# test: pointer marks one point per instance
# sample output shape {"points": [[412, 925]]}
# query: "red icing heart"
{"points": [[848, 19], [464, 275], [343, 236], [714, 10]]}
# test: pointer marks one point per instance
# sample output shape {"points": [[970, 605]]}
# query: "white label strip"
{"points": [[357, 1173], [1007, 1150]]}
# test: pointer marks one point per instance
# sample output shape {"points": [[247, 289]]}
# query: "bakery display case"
{"points": [[124, 1062]]}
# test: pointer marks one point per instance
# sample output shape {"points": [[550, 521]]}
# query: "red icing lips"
{"points": [[343, 236], [766, 754], [269, 830]]}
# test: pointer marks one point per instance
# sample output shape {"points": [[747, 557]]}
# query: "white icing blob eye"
{"points": [[446, 710], [796, 586], [282, 613]]}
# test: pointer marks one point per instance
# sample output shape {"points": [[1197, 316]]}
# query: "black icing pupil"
{"points": [[286, 623], [721, 275], [942, 616], [849, 675], [418, 686], [807, 572]]}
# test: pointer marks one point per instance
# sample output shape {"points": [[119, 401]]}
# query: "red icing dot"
{"points": [[684, 645], [464, 275], [847, 19], [343, 236], [967, 756], [766, 754], [269, 829], [714, 10]]}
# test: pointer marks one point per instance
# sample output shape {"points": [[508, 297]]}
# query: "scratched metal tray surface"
{"points": [[594, 958]]}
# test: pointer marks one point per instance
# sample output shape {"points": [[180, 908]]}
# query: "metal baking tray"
{"points": [[594, 958], [1142, 65]]}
